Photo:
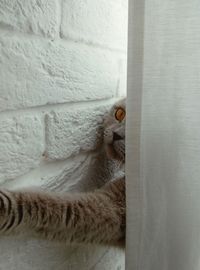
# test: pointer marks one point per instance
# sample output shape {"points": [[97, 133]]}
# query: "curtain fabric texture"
{"points": [[163, 135]]}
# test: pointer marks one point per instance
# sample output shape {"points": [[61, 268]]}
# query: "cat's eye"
{"points": [[120, 114]]}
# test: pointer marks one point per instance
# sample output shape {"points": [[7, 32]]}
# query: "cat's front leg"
{"points": [[95, 217], [29, 210]]}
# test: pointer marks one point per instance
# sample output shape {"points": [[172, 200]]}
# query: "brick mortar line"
{"points": [[63, 162], [99, 259], [93, 44], [48, 107], [61, 16], [29, 36]]}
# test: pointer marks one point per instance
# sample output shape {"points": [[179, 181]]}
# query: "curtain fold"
{"points": [[163, 135]]}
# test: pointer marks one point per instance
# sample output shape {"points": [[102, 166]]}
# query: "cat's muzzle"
{"points": [[115, 144]]}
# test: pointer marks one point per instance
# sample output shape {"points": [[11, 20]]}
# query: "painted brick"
{"points": [[30, 255], [71, 131], [96, 22], [32, 16], [58, 176], [21, 145], [35, 73]]}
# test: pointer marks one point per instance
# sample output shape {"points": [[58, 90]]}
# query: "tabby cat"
{"points": [[90, 217]]}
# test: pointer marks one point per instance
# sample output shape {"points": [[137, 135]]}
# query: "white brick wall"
{"points": [[62, 64], [21, 144], [104, 22], [40, 17]]}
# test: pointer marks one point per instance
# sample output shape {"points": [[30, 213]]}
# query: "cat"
{"points": [[95, 217]]}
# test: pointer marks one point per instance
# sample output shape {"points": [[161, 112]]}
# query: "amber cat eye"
{"points": [[120, 114]]}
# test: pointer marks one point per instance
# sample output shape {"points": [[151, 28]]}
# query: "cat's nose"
{"points": [[116, 137]]}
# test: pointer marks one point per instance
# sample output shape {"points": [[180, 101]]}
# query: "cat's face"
{"points": [[114, 131]]}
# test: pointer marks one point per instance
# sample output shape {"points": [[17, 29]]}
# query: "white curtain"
{"points": [[163, 135]]}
